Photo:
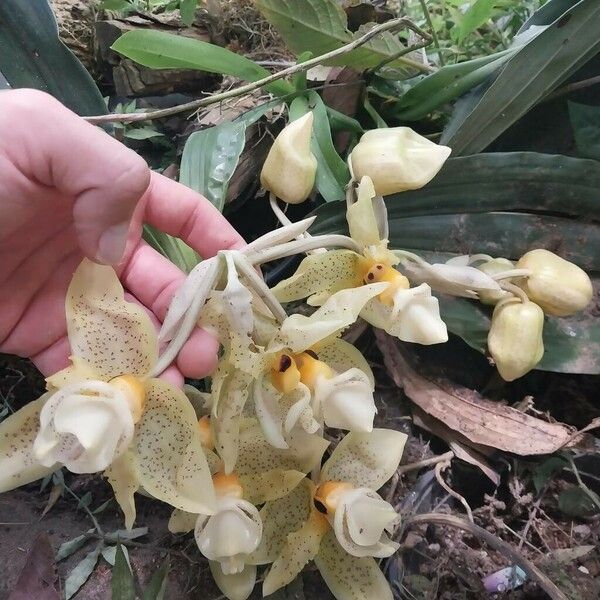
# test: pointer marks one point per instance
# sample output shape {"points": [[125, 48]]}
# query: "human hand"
{"points": [[69, 190]]}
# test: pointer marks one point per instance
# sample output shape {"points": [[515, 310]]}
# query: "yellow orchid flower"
{"points": [[304, 376], [411, 314], [233, 532], [340, 521], [105, 412]]}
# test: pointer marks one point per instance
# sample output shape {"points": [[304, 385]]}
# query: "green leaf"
{"points": [[445, 85], [187, 10], [332, 171], [299, 79], [126, 534], [142, 133], [32, 55], [322, 25], [161, 50], [117, 5], [476, 16], [546, 470], [81, 572], [155, 590], [177, 251], [574, 502], [122, 584], [585, 121], [536, 69], [71, 546]]}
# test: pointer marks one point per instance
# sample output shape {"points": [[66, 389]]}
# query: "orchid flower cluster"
{"points": [[244, 466]]}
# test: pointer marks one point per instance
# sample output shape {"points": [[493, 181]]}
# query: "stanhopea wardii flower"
{"points": [[290, 167], [515, 338], [558, 286], [396, 159], [105, 412], [263, 474], [302, 376], [340, 521], [411, 314]]}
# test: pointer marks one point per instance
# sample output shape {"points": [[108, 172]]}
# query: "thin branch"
{"points": [[572, 87], [250, 87], [500, 545], [426, 462], [436, 42]]}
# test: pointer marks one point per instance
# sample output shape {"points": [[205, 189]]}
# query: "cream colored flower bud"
{"points": [[492, 267], [557, 285], [290, 168], [515, 337], [396, 159]]}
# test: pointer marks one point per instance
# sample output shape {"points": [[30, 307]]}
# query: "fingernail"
{"points": [[112, 242]]}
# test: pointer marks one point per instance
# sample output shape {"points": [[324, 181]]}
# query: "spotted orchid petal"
{"points": [[231, 398], [171, 462], [112, 336], [366, 460], [300, 547], [267, 473], [182, 521], [280, 518], [235, 586], [360, 523], [18, 431], [269, 412], [124, 479], [320, 276], [414, 317], [349, 577], [77, 372], [361, 217], [340, 356], [299, 332], [230, 534], [237, 300], [84, 426], [346, 401]]}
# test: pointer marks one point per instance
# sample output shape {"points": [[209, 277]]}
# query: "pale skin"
{"points": [[69, 190]]}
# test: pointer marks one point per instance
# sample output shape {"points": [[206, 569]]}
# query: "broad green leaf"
{"points": [[161, 50], [81, 572], [187, 10], [155, 590], [122, 583], [332, 172], [117, 5], [443, 86], [536, 69], [476, 16], [585, 121], [574, 502], [71, 546], [321, 26], [32, 55], [209, 159]]}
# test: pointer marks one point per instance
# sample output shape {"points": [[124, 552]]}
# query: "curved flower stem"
{"points": [[511, 273], [298, 246], [515, 290], [259, 287], [477, 257], [411, 256]]}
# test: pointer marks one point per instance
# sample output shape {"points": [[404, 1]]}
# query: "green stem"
{"points": [[434, 36]]}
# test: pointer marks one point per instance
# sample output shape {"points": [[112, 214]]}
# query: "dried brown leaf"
{"points": [[467, 412]]}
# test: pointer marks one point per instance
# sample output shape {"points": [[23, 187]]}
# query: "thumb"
{"points": [[104, 179]]}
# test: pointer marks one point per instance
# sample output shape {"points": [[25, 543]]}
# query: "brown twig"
{"points": [[441, 466], [250, 87], [425, 462], [500, 545]]}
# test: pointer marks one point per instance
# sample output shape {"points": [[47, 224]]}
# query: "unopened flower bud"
{"points": [[492, 267], [290, 168], [515, 337], [396, 159], [557, 285]]}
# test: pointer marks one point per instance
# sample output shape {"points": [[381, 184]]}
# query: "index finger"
{"points": [[183, 213]]}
